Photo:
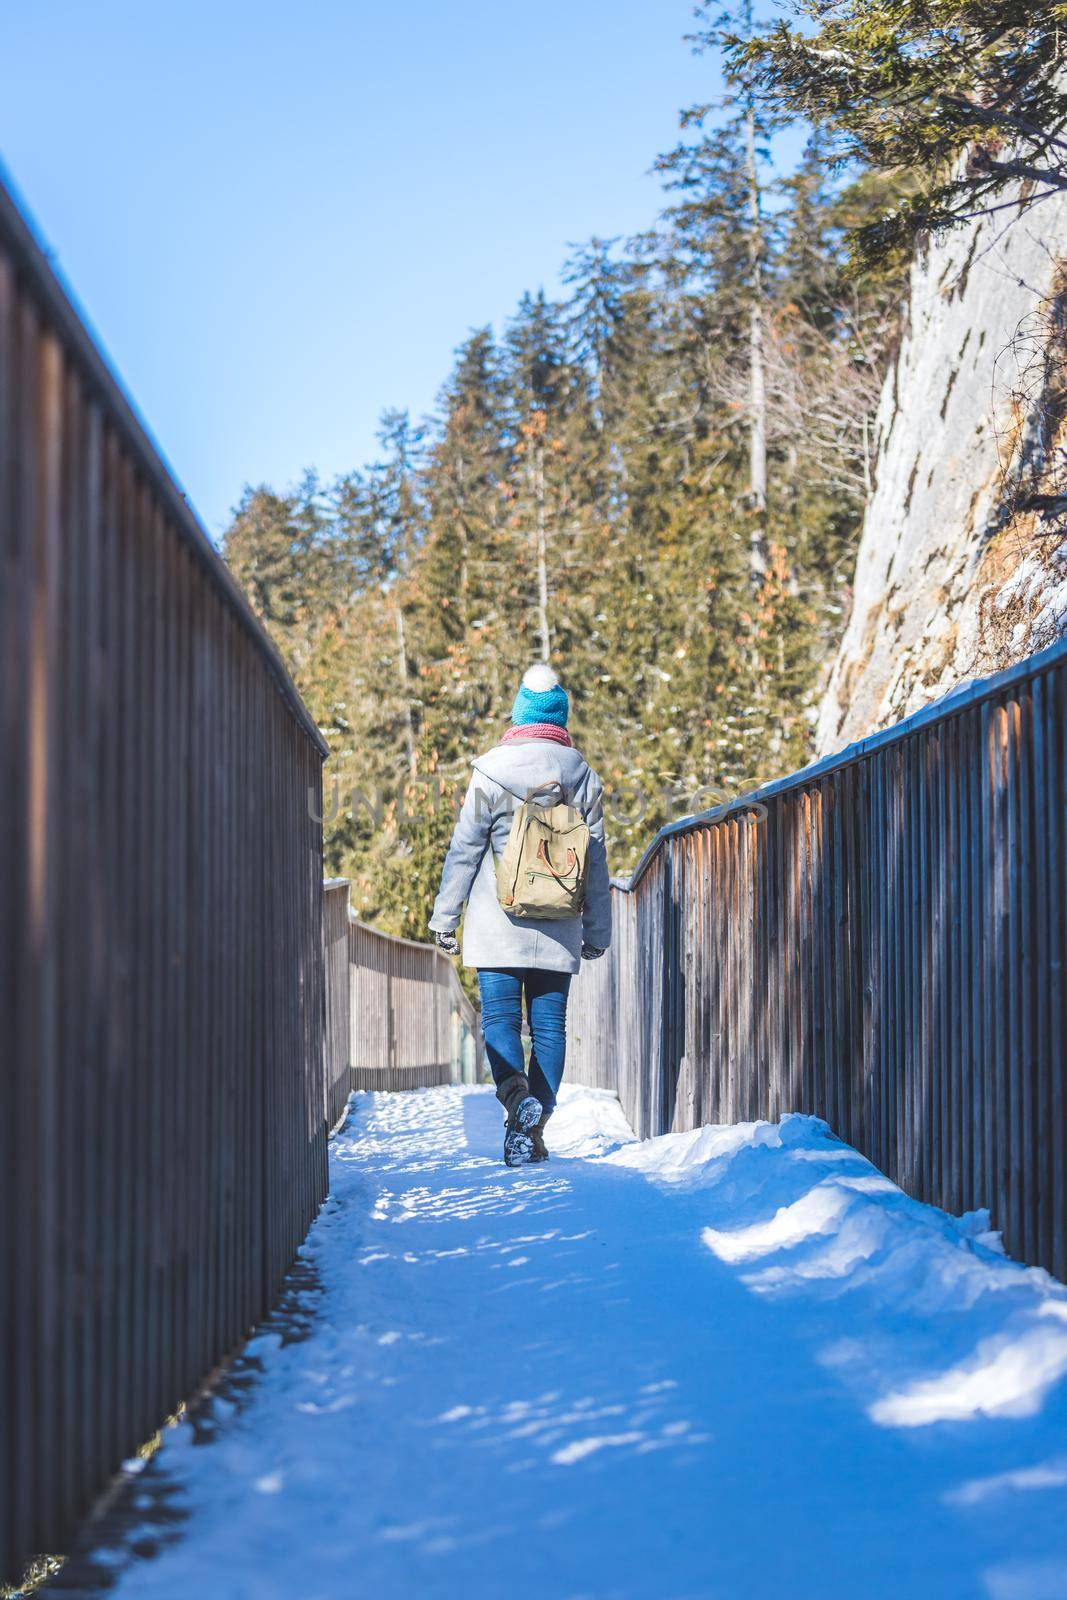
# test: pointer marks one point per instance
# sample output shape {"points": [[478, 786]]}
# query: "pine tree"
{"points": [[951, 100], [275, 545], [465, 597], [831, 336], [550, 429], [381, 518], [656, 480], [722, 225]]}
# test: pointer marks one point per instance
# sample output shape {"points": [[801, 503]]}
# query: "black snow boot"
{"points": [[537, 1138], [523, 1111]]}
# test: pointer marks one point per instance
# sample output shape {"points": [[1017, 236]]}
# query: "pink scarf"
{"points": [[538, 730]]}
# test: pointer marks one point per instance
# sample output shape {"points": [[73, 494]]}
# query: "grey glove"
{"points": [[590, 952], [447, 942]]}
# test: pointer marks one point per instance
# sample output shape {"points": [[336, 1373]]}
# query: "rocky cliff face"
{"points": [[962, 565]]}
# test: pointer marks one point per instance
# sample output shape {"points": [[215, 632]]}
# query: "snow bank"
{"points": [[808, 1217]]}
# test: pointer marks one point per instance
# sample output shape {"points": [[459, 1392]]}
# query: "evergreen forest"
{"points": [[657, 480]]}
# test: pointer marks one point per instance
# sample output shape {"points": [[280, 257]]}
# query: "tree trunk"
{"points": [[542, 558], [464, 546], [402, 681], [757, 458]]}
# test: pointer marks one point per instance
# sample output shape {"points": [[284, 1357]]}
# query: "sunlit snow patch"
{"points": [[1008, 1376]]}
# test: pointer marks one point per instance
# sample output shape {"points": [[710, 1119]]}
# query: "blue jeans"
{"points": [[546, 1010]]}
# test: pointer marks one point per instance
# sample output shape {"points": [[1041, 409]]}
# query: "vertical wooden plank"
{"points": [[1012, 1082], [232, 709], [823, 947], [968, 822], [759, 989], [79, 779], [732, 908], [810, 972], [45, 820], [982, 978], [863, 966], [902, 1042], [742, 1043], [714, 1080], [940, 967], [1002, 849], [891, 999], [1041, 883], [187, 1127], [139, 1069], [875, 860], [839, 955], [670, 967], [897, 953], [926, 964], [755, 991], [12, 901], [111, 1150], [29, 612], [65, 1026], [262, 1111], [969, 855], [912, 980], [772, 873], [785, 817], [978, 830], [1055, 878], [197, 799], [1024, 999], [906, 979], [152, 958], [702, 1047], [786, 811], [951, 1039]]}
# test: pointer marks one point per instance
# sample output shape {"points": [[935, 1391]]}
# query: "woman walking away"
{"points": [[527, 856]]}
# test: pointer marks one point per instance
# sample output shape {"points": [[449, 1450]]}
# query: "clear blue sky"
{"points": [[282, 218]]}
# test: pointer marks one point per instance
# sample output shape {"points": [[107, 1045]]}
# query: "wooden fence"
{"points": [[878, 940], [397, 1014], [162, 1128]]}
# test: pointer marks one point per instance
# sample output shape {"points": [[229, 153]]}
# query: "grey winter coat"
{"points": [[502, 779]]}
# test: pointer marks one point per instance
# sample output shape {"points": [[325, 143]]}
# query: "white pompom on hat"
{"points": [[540, 677]]}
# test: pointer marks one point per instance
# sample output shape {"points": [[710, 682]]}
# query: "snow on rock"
{"points": [[958, 574], [733, 1363]]}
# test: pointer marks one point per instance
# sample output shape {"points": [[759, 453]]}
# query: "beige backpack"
{"points": [[542, 871]]}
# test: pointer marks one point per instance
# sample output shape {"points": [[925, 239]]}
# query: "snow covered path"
{"points": [[735, 1363]]}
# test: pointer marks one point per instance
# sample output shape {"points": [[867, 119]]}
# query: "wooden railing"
{"points": [[162, 1125], [397, 1014], [878, 940]]}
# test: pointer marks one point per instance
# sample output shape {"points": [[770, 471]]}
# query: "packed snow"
{"points": [[731, 1363]]}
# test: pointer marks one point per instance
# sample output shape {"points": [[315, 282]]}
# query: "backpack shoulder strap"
{"points": [[524, 799]]}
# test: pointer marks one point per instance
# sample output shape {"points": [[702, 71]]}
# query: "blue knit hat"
{"points": [[541, 698]]}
